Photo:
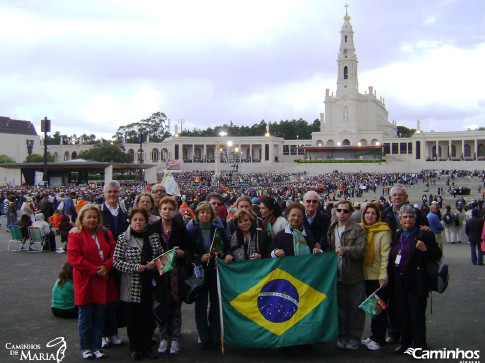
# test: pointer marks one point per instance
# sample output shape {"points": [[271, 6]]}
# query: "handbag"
{"points": [[482, 246], [193, 285]]}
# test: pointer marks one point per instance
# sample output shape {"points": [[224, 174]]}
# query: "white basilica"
{"points": [[355, 126]]}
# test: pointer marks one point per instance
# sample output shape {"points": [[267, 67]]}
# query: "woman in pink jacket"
{"points": [[90, 253]]}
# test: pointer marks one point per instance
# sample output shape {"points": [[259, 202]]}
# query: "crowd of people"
{"points": [[114, 233]]}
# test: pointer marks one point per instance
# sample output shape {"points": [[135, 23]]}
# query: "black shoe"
{"points": [[150, 354], [135, 356], [216, 346], [400, 350], [205, 346]]}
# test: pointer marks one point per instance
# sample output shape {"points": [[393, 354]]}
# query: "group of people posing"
{"points": [[116, 281]]}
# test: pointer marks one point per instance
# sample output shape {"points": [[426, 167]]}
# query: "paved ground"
{"points": [[25, 317]]}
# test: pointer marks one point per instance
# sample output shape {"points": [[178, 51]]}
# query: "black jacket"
{"points": [[284, 241], [416, 280], [319, 228], [474, 228], [108, 221]]}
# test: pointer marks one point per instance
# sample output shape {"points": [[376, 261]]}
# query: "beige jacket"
{"points": [[382, 247]]}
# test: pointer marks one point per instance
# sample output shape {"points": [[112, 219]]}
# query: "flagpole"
{"points": [[212, 244], [220, 309]]}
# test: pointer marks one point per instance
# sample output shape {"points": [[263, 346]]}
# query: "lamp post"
{"points": [[140, 159], [45, 127]]}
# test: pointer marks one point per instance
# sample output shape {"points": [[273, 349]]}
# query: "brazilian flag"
{"points": [[279, 302]]}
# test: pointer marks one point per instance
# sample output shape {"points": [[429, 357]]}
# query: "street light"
{"points": [[45, 127], [140, 159]]}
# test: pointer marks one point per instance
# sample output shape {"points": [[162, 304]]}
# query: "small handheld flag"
{"points": [[165, 262]]}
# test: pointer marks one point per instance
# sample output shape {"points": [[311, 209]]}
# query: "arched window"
{"points": [[346, 142], [66, 156], [210, 153], [154, 154], [164, 154], [346, 113], [56, 157], [481, 150], [346, 72], [468, 150], [74, 155], [197, 154], [330, 143], [363, 142], [346, 52], [132, 154]]}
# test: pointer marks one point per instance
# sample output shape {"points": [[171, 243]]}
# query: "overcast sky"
{"points": [[93, 65]]}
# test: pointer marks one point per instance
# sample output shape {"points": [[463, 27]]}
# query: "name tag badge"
{"points": [[398, 260], [101, 255]]}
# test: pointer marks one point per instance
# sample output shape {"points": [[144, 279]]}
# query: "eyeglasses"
{"points": [[159, 191], [345, 211], [216, 203], [295, 216], [312, 201]]}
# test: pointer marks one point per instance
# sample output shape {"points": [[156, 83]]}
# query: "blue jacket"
{"points": [[434, 223]]}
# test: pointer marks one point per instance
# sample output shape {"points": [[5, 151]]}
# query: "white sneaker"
{"points": [[99, 354], [87, 354], [366, 342], [373, 345], [116, 340], [105, 342], [341, 343], [162, 348], [174, 348]]}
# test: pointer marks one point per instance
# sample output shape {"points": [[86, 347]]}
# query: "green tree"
{"points": [[403, 131], [36, 158], [156, 127], [106, 151], [6, 159]]}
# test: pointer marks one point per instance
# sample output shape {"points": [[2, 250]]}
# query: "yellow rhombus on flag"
{"points": [[283, 299]]}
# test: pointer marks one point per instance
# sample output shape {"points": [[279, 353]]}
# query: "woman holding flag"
{"points": [[375, 270], [133, 257], [271, 211], [167, 300], [209, 240]]}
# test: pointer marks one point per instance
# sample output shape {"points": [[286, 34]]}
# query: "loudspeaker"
{"points": [[45, 125]]}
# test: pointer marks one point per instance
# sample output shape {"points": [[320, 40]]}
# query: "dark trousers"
{"points": [[411, 313], [140, 324], [379, 323], [208, 326], [351, 318]]}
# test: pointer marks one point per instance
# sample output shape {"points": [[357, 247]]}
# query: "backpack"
{"points": [[447, 218], [437, 275]]}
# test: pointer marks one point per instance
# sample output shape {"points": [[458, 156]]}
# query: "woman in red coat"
{"points": [[91, 256]]}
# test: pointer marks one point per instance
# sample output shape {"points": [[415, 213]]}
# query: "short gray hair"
{"points": [[399, 186], [112, 183], [407, 208]]}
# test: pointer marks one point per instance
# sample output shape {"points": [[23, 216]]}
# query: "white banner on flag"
{"points": [[170, 184]]}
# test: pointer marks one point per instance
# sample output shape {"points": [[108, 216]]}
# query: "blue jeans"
{"points": [[476, 251], [91, 322]]}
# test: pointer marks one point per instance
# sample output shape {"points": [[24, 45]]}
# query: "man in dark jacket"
{"points": [[317, 222], [473, 229], [390, 215]]}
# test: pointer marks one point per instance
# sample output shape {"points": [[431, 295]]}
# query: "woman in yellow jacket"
{"points": [[375, 269]]}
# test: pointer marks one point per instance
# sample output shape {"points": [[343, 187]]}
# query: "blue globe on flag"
{"points": [[278, 301]]}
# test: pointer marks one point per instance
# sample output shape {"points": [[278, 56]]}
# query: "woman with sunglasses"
{"points": [[273, 222], [348, 239]]}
